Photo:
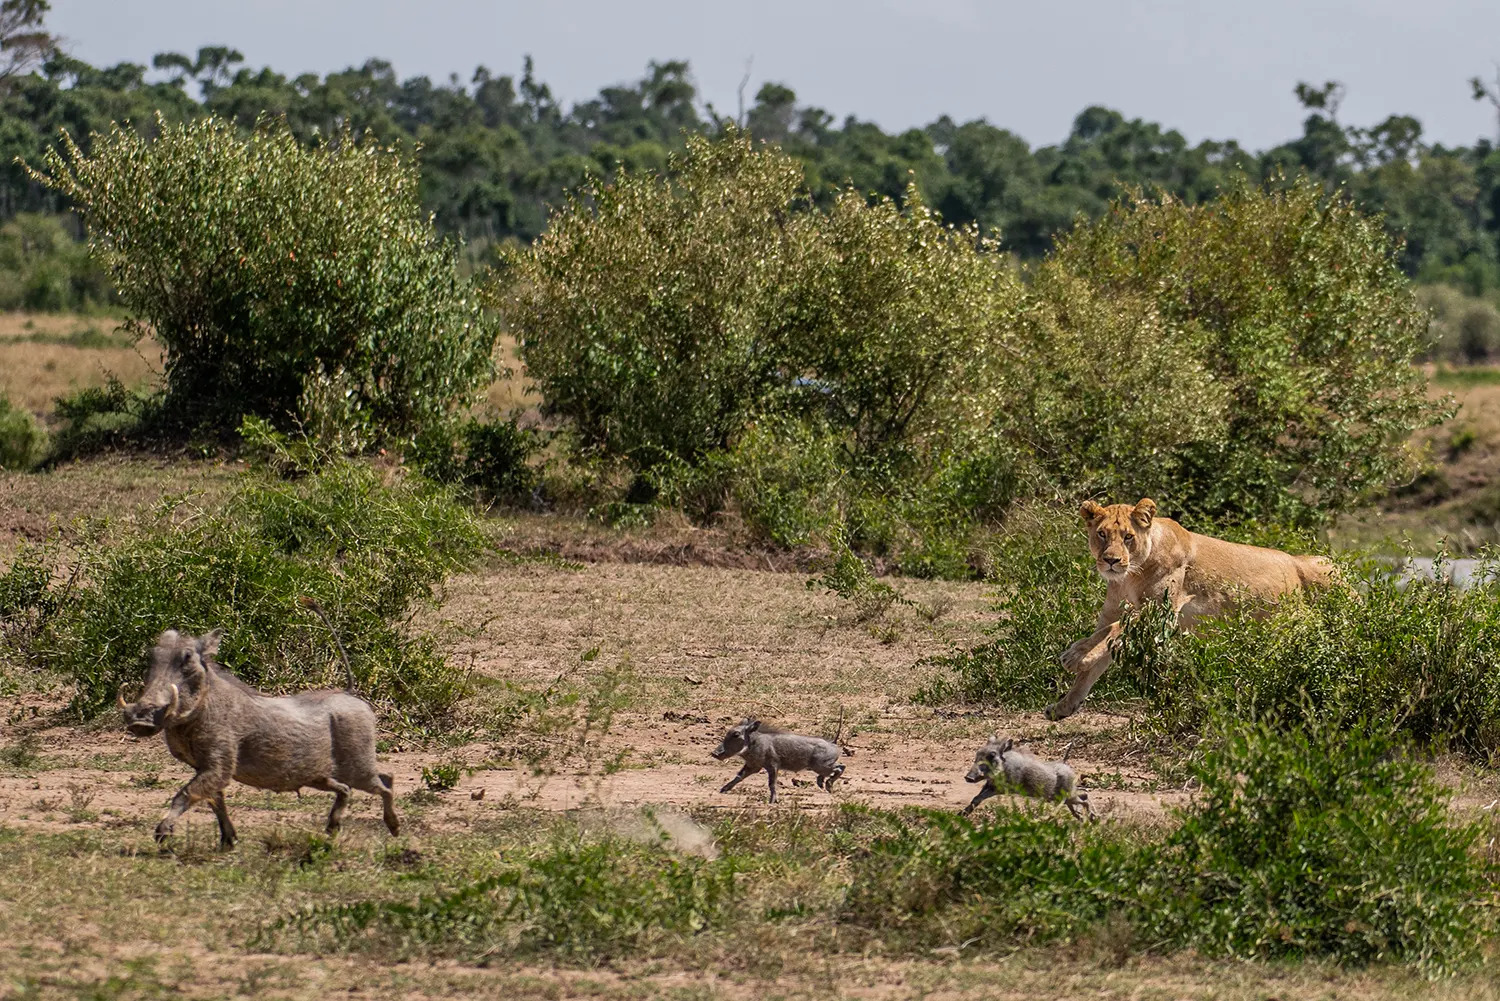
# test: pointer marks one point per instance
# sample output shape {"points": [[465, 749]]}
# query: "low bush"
{"points": [[1423, 657], [579, 899], [1048, 594], [364, 549], [23, 442], [491, 456], [1314, 843], [98, 418]]}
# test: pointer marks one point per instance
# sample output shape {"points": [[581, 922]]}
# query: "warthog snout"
{"points": [[145, 720], [978, 773]]}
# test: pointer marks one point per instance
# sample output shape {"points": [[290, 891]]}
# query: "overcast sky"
{"points": [[1211, 69]]}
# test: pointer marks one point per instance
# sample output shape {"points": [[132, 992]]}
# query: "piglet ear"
{"points": [[208, 643], [754, 725]]}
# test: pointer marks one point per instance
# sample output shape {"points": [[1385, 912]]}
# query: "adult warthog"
{"points": [[226, 730]]}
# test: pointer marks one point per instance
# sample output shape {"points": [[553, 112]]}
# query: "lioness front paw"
{"points": [[1057, 711], [1072, 657]]}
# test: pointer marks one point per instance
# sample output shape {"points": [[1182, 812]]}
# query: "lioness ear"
{"points": [[1091, 512], [1144, 513]]}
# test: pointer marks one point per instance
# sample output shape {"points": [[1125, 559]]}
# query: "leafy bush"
{"points": [[1302, 844], [579, 899], [1321, 842], [23, 443], [44, 269], [1293, 303], [655, 315], [365, 551], [847, 576], [97, 418], [1423, 657], [1465, 330], [260, 264], [493, 456]]}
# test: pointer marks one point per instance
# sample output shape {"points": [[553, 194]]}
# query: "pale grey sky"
{"points": [[1209, 69]]}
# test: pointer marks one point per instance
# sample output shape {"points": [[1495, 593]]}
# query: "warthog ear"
{"points": [[1091, 512], [754, 725], [1144, 513], [208, 643]]}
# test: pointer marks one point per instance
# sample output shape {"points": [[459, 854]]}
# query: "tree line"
{"points": [[497, 150]]}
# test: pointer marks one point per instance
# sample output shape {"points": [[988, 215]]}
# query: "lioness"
{"points": [[1143, 557]]}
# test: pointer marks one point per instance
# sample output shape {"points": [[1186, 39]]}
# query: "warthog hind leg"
{"points": [[227, 836], [340, 802]]}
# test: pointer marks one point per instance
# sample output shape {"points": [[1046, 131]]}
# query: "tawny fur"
{"points": [[1142, 557]]}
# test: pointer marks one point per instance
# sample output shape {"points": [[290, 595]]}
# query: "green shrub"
{"points": [[259, 263], [1293, 304], [1424, 658], [1464, 330], [365, 551], [97, 418], [579, 899], [1302, 844], [44, 269], [1320, 841], [493, 456], [656, 315], [23, 443], [1048, 597]]}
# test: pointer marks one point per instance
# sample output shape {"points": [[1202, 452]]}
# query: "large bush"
{"points": [[43, 268], [263, 266], [656, 315], [1292, 301]]}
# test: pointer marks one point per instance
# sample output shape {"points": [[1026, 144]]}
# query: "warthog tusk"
{"points": [[120, 697], [172, 709]]}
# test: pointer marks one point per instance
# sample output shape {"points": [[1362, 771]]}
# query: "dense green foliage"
{"points": [[1298, 332], [1246, 358], [267, 269], [366, 551], [22, 440], [1421, 656], [44, 268], [499, 149]]}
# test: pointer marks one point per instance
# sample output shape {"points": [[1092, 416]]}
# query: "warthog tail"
{"points": [[308, 601]]}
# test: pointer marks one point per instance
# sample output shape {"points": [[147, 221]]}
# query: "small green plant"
{"points": [[493, 456], [23, 443], [441, 776], [366, 551], [849, 577], [97, 418]]}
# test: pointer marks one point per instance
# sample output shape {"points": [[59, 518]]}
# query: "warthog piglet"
{"points": [[1003, 769], [226, 730], [776, 751]]}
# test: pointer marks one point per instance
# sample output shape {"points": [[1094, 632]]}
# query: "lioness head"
{"points": [[1119, 535]]}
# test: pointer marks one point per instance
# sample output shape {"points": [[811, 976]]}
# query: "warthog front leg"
{"points": [[984, 793], [771, 781], [745, 772], [208, 784]]}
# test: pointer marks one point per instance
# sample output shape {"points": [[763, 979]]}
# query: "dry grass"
{"points": [[43, 356]]}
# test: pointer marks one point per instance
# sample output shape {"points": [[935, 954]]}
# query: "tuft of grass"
{"points": [[23, 442]]}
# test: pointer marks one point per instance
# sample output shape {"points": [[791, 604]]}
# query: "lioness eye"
{"points": [[1102, 534], [1130, 538]]}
